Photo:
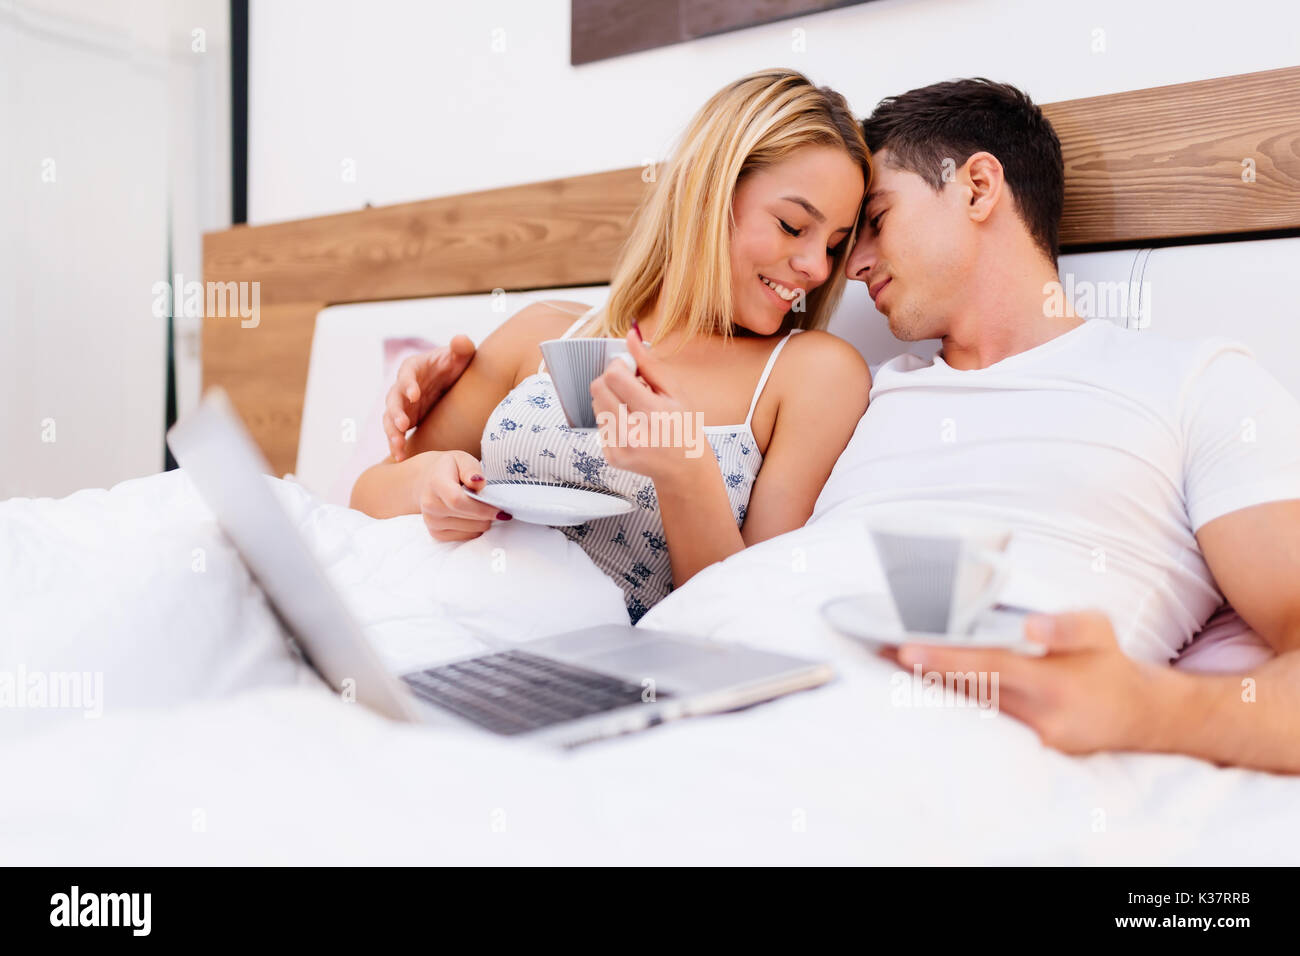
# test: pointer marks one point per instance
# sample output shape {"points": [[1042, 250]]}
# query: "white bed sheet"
{"points": [[261, 764]]}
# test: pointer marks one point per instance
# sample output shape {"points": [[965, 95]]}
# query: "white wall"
{"points": [[413, 95], [104, 113]]}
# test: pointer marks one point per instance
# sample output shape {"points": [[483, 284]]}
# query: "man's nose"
{"points": [[861, 260]]}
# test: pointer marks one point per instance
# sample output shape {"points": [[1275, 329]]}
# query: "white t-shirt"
{"points": [[1104, 449]]}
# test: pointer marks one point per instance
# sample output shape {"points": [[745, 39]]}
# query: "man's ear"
{"points": [[985, 182]]}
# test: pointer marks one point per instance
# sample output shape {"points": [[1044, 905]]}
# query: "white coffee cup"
{"points": [[573, 365], [941, 573]]}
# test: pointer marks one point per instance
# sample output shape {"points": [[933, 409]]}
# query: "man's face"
{"points": [[913, 250]]}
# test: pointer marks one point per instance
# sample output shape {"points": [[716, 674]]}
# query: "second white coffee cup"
{"points": [[942, 574]]}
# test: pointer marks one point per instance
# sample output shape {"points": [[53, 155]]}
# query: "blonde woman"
{"points": [[740, 246]]}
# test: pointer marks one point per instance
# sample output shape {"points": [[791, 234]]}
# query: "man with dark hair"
{"points": [[1115, 456], [932, 131]]}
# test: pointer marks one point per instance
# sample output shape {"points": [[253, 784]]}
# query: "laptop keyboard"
{"points": [[514, 692]]}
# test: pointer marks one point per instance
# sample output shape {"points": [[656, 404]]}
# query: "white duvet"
{"points": [[214, 744]]}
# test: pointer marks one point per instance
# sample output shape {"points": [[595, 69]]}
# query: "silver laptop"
{"points": [[565, 689]]}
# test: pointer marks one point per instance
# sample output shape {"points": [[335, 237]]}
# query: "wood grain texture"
{"points": [[554, 233], [264, 370], [1168, 162], [1140, 166]]}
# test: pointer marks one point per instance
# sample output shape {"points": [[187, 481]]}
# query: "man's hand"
{"points": [[422, 380], [1083, 695]]}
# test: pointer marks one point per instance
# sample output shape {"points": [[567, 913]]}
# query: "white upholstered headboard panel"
{"points": [[1242, 290]]}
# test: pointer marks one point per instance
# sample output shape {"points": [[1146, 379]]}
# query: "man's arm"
{"points": [[1244, 720], [1249, 719], [1254, 555]]}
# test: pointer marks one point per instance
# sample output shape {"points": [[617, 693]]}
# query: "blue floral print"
{"points": [[646, 496], [589, 466], [655, 542]]}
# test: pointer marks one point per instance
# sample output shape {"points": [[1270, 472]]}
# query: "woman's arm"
{"points": [[822, 384], [456, 422]]}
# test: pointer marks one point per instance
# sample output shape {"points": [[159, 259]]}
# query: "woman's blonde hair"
{"points": [[680, 245]]}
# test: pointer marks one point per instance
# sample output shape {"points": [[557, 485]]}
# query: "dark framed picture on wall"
{"points": [[607, 28]]}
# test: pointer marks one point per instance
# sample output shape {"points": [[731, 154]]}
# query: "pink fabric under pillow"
{"points": [[372, 444], [1226, 645]]}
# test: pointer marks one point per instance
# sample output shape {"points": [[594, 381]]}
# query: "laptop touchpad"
{"points": [[675, 666]]}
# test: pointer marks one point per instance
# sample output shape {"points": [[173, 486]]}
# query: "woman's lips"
{"points": [[772, 294]]}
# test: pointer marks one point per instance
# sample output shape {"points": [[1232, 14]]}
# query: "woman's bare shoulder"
{"points": [[822, 354], [549, 315], [517, 339]]}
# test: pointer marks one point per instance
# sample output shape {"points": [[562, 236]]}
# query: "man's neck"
{"points": [[1008, 314]]}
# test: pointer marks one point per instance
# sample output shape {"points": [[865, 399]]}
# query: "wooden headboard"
{"points": [[1215, 158]]}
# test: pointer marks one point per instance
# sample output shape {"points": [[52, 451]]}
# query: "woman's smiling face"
{"points": [[790, 220]]}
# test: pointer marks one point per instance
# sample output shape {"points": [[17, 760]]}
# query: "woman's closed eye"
{"points": [[791, 230]]}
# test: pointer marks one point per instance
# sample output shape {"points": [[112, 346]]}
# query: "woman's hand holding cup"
{"points": [[651, 394]]}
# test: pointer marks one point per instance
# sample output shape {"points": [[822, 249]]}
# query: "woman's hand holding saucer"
{"points": [[449, 513]]}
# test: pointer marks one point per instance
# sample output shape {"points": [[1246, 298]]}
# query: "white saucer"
{"points": [[551, 504], [871, 618]]}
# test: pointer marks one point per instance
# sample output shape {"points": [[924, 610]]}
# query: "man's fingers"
{"points": [[395, 416], [462, 347], [396, 438], [1070, 632], [443, 366], [1013, 669], [1009, 698], [408, 374]]}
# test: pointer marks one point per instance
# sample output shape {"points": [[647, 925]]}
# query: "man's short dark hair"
{"points": [[954, 120]]}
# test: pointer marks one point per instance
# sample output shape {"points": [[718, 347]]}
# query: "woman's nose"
{"points": [[817, 269]]}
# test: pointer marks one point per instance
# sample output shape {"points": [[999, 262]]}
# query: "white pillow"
{"points": [[371, 442]]}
